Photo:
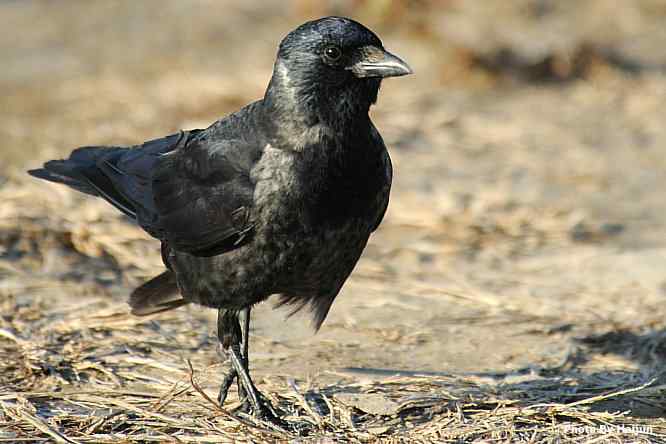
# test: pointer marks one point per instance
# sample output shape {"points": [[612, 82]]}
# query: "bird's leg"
{"points": [[244, 356], [233, 338], [255, 402], [245, 338], [229, 335], [234, 342]]}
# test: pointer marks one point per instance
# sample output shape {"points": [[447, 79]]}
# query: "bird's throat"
{"points": [[302, 102]]}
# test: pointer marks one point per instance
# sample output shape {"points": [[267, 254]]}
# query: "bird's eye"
{"points": [[333, 53]]}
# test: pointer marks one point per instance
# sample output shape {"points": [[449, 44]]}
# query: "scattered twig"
{"points": [[226, 413], [43, 427], [304, 403]]}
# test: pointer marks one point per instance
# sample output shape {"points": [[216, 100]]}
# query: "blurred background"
{"points": [[527, 222]]}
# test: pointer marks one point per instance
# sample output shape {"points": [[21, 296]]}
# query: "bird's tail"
{"points": [[81, 171], [71, 171], [157, 295]]}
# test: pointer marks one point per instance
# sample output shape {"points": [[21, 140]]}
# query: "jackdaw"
{"points": [[278, 198]]}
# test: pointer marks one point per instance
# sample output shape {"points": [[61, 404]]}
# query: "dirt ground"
{"points": [[514, 292]]}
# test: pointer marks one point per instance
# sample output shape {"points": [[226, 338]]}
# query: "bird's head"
{"points": [[332, 67]]}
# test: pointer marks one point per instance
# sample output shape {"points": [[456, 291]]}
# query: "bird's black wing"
{"points": [[130, 172], [192, 190], [120, 175], [203, 194]]}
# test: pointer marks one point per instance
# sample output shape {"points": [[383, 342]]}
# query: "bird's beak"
{"points": [[372, 61]]}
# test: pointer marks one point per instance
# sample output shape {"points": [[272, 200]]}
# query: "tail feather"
{"points": [[157, 295], [82, 173], [53, 174]]}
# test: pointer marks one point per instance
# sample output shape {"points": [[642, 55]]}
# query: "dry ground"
{"points": [[513, 294]]}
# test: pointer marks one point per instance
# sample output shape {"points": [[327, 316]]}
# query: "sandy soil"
{"points": [[526, 235]]}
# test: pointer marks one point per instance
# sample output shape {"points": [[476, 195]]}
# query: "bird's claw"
{"points": [[263, 410], [256, 404], [225, 386]]}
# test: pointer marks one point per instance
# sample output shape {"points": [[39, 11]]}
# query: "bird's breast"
{"points": [[329, 183], [313, 215], [344, 186]]}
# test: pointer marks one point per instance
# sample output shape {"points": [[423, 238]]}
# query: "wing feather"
{"points": [[203, 195]]}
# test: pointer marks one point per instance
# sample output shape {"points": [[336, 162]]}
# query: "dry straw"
{"points": [[88, 372]]}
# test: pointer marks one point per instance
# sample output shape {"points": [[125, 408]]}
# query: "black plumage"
{"points": [[277, 198]]}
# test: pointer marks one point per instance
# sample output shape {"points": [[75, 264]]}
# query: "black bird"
{"points": [[277, 198]]}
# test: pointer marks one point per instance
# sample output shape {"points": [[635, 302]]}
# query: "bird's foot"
{"points": [[264, 408], [227, 382], [253, 402]]}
